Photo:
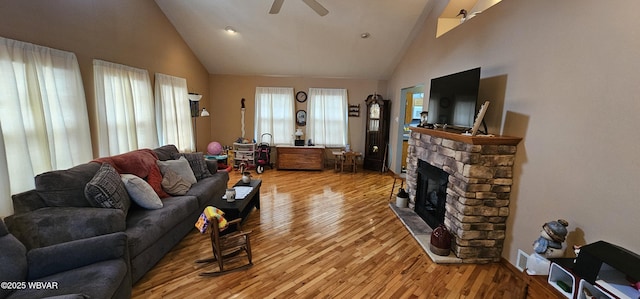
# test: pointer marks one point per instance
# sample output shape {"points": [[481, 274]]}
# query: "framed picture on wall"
{"points": [[301, 118], [354, 110]]}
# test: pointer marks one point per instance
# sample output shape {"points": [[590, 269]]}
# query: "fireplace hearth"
{"points": [[469, 190]]}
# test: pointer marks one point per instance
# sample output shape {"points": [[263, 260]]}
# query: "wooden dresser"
{"points": [[300, 157]]}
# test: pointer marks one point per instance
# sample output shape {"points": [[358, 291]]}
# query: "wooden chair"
{"points": [[338, 157], [227, 247], [350, 160], [397, 176]]}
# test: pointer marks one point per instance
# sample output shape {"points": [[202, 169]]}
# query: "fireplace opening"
{"points": [[431, 193]]}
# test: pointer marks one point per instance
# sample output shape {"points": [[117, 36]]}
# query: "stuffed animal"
{"points": [[550, 244]]}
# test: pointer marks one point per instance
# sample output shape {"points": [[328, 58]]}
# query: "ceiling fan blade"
{"points": [[317, 7], [275, 7]]}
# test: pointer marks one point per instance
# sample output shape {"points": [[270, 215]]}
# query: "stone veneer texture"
{"points": [[480, 179]]}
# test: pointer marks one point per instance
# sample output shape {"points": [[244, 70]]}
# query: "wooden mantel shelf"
{"points": [[480, 140]]}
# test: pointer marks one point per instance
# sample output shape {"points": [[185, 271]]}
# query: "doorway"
{"points": [[412, 99]]}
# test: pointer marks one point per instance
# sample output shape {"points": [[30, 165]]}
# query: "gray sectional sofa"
{"points": [[57, 210], [96, 267]]}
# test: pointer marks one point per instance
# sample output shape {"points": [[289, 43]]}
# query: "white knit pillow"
{"points": [[141, 192]]}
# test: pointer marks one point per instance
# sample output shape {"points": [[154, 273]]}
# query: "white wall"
{"points": [[572, 72]]}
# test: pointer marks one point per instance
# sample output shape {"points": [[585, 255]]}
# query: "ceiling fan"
{"points": [[317, 7]]}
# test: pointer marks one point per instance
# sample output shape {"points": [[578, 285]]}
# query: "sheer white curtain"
{"points": [[275, 114], [6, 206], [124, 102], [44, 119], [327, 118], [173, 116]]}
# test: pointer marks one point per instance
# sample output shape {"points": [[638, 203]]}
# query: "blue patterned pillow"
{"points": [[106, 190]]}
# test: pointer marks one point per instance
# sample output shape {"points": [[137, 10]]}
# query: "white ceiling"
{"points": [[297, 41]]}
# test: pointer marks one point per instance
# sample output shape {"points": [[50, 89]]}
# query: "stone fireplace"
{"points": [[478, 186]]}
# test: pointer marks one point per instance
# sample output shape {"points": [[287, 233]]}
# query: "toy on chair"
{"points": [[225, 246], [209, 214]]}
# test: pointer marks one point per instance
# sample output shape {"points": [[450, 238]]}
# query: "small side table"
{"points": [[241, 208], [346, 158]]}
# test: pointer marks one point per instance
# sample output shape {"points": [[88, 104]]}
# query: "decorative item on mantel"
{"points": [[423, 120]]}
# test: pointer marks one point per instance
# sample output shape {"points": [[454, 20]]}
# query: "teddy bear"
{"points": [[550, 244]]}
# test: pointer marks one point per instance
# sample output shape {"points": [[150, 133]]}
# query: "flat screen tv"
{"points": [[453, 99]]}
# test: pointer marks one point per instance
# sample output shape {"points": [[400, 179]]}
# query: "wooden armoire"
{"points": [[377, 138]]}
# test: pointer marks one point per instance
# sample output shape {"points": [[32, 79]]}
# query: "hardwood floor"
{"points": [[321, 234]]}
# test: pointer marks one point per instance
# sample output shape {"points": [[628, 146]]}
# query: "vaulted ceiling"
{"points": [[297, 41]]}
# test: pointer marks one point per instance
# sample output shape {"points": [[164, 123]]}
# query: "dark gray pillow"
{"points": [[197, 163], [166, 152], [65, 188], [106, 190]]}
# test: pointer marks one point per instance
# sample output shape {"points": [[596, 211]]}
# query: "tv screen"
{"points": [[453, 99]]}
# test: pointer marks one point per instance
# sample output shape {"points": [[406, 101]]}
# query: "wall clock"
{"points": [[301, 118], [301, 96]]}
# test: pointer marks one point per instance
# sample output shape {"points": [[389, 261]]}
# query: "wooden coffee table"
{"points": [[240, 208]]}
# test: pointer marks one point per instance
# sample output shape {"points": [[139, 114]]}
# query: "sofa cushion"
{"points": [[145, 227], [28, 201], [65, 188], [52, 225], [99, 280], [106, 190], [174, 184], [197, 162], [141, 192], [13, 259], [166, 152], [212, 187], [212, 165], [180, 167]]}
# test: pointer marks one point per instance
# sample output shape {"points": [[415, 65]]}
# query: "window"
{"points": [[328, 120], [274, 114], [44, 124], [126, 115], [173, 115]]}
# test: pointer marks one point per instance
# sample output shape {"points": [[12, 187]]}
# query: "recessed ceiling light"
{"points": [[230, 29], [365, 35]]}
